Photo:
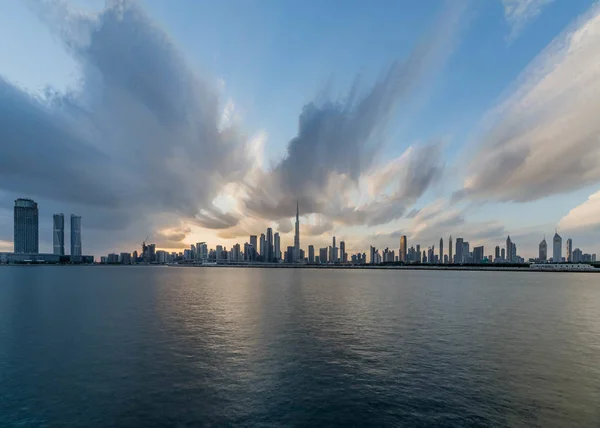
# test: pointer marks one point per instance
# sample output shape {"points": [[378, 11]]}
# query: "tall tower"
{"points": [[509, 249], [26, 227], [75, 235], [441, 250], [557, 247], [269, 257], [297, 235], [58, 236], [569, 250], [403, 249], [277, 246], [543, 250], [450, 259]]}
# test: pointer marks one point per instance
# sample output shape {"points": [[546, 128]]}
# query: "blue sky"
{"points": [[264, 61]]}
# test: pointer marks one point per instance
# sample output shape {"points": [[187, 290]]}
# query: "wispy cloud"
{"points": [[519, 13], [545, 137]]}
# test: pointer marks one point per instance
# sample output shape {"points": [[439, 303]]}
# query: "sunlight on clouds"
{"points": [[584, 216]]}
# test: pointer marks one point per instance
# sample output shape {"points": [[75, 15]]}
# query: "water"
{"points": [[144, 347]]}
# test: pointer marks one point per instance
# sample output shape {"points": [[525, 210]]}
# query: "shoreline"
{"points": [[334, 267]]}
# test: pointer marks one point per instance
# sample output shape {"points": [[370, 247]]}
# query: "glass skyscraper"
{"points": [[75, 235], [58, 235], [26, 223]]}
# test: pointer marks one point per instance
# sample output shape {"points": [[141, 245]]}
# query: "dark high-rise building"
{"points": [[403, 248], [543, 250], [459, 251], [497, 255], [75, 235], [323, 255], [478, 254], [276, 246], [254, 244], [311, 254], [509, 249], [26, 227], [269, 257], [58, 234], [296, 255], [441, 260], [450, 259], [343, 255], [503, 254]]}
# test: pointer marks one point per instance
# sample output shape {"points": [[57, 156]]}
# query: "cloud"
{"points": [[141, 135], [338, 146], [519, 13], [545, 137], [584, 217]]}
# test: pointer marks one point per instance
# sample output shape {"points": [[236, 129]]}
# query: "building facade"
{"points": [[58, 234], [75, 235], [403, 248], [557, 248], [26, 227]]}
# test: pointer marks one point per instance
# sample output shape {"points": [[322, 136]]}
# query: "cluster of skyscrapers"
{"points": [[572, 256], [26, 234]]}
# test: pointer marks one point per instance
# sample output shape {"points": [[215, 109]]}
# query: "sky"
{"points": [[208, 121]]}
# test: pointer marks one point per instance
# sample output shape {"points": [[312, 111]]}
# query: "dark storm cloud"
{"points": [[140, 136]]}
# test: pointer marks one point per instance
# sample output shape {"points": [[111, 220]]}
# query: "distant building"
{"points": [[543, 250], [263, 247], [125, 258], [269, 245], [255, 249], [296, 252], [441, 249], [289, 255], [497, 252], [26, 227], [343, 255], [557, 247], [503, 254], [478, 254], [58, 234], [450, 259], [311, 254], [277, 246], [509, 249], [323, 255], [403, 249], [569, 250], [334, 251], [577, 256], [75, 235], [459, 251]]}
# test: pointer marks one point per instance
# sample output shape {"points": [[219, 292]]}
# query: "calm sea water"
{"points": [[145, 347]]}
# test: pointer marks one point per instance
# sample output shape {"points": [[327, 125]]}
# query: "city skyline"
{"points": [[433, 140]]}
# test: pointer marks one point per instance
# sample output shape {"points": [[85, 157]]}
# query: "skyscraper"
{"points": [[254, 249], [478, 254], [569, 250], [75, 235], [509, 249], [459, 251], [277, 247], [557, 247], [543, 250], [441, 250], [263, 247], [26, 227], [296, 256], [58, 235], [334, 255], [450, 259], [403, 248], [269, 257], [343, 256], [311, 254], [497, 254]]}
